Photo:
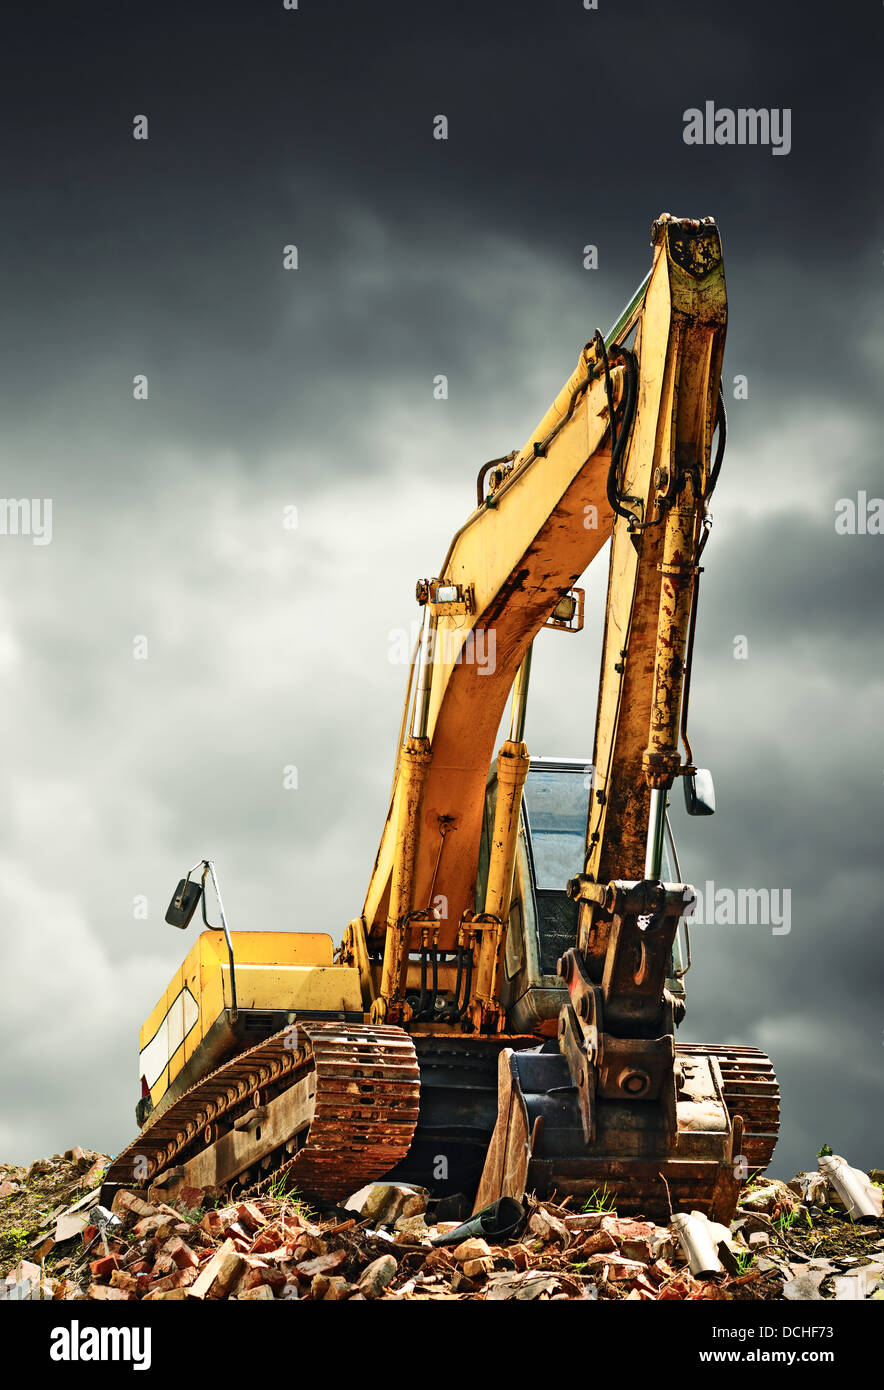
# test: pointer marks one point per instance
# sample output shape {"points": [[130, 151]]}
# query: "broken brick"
{"points": [[473, 1249], [324, 1264], [212, 1223], [191, 1197], [121, 1279], [181, 1253], [251, 1279], [218, 1274], [104, 1266], [129, 1207], [160, 1227], [337, 1289], [597, 1243], [270, 1239], [107, 1292], [250, 1217]]}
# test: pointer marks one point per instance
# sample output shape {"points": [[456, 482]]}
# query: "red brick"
{"points": [[181, 1253], [323, 1264], [161, 1227], [162, 1285], [103, 1267], [252, 1279], [250, 1216], [237, 1231], [263, 1291], [269, 1239], [284, 1253], [212, 1223], [191, 1197], [129, 1207], [598, 1243]]}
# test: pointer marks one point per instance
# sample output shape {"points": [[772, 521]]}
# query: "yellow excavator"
{"points": [[501, 1017]]}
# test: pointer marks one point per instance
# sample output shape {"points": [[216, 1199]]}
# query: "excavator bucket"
{"points": [[727, 1108], [612, 1106]]}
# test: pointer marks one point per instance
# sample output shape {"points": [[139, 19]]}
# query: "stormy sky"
{"points": [[271, 389]]}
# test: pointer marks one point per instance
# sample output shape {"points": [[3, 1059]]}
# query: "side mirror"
{"points": [[699, 793], [184, 903]]}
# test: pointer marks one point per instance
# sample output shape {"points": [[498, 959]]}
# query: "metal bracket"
{"points": [[602, 1064], [446, 600], [572, 1044]]}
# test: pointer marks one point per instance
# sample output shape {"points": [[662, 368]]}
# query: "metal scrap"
{"points": [[862, 1200]]}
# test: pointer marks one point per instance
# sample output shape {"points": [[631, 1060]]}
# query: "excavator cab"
{"points": [[543, 919]]}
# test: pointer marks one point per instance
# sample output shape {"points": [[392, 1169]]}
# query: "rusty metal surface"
{"points": [[539, 1144], [750, 1089], [680, 343], [363, 1117], [367, 1101]]}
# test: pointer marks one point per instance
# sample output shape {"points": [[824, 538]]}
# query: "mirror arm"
{"points": [[209, 868]]}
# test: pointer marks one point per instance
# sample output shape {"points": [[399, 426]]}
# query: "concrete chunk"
{"points": [[376, 1276], [473, 1249], [218, 1274]]}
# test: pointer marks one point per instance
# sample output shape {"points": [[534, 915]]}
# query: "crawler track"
{"points": [[362, 1090], [751, 1089]]}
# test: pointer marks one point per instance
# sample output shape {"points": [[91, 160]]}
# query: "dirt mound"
{"points": [[32, 1197]]}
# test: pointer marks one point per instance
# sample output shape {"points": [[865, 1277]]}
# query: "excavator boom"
{"points": [[625, 451]]}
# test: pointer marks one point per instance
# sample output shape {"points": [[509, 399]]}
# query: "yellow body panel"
{"points": [[287, 971], [298, 988]]}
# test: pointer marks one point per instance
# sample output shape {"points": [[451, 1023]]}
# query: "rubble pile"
{"points": [[798, 1241]]}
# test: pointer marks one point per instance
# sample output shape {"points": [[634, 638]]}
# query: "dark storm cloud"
{"points": [[165, 256], [793, 735], [314, 388]]}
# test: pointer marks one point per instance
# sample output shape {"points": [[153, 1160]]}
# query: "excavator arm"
{"points": [[549, 511], [625, 452]]}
